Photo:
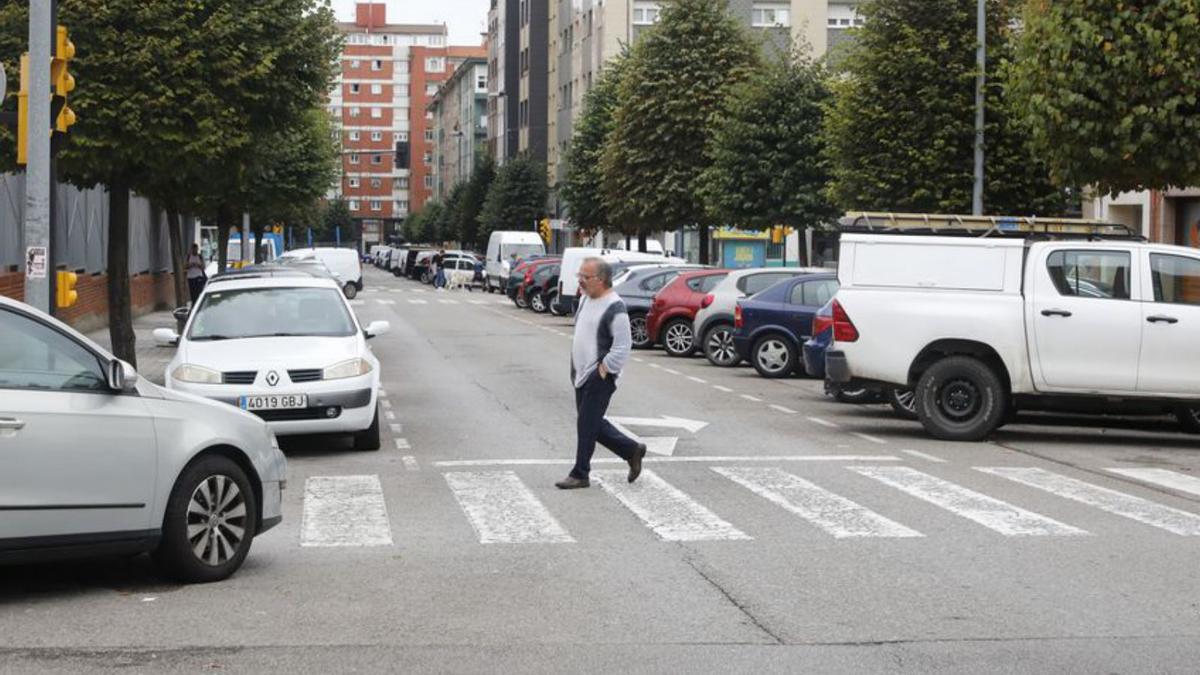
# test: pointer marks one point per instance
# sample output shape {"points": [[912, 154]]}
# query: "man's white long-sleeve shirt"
{"points": [[585, 348]]}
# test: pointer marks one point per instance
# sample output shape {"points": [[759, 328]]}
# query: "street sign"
{"points": [[35, 262]]}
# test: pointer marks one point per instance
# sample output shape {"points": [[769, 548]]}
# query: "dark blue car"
{"points": [[771, 326]]}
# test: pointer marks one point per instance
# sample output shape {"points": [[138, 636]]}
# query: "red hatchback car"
{"points": [[524, 277], [670, 319]]}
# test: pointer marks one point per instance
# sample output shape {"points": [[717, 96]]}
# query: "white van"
{"points": [[501, 245], [652, 246], [343, 262], [572, 259]]}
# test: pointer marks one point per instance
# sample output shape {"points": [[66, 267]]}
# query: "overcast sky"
{"points": [[465, 19]]}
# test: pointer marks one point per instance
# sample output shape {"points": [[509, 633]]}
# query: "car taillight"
{"points": [[843, 327], [708, 300], [821, 324], [737, 316]]}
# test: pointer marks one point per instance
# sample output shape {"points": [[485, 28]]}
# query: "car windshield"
{"points": [[522, 250], [271, 312]]}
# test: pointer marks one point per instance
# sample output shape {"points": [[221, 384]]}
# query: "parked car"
{"points": [[814, 364], [714, 320], [502, 244], [637, 285], [669, 321], [279, 344], [543, 286], [96, 460], [343, 262], [771, 326], [522, 281], [572, 259]]}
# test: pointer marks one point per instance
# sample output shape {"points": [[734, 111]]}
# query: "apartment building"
{"points": [[518, 52], [459, 124]]}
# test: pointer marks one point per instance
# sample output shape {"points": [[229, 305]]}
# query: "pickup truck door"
{"points": [[1171, 326], [1086, 327]]}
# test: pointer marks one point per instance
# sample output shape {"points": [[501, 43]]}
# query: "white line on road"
{"points": [[344, 511], [1164, 477], [386, 403], [697, 380], [718, 387], [655, 365], [444, 301], [637, 360], [669, 370], [417, 302], [502, 510], [357, 303], [1009, 520], [665, 460], [397, 428], [382, 391], [831, 512], [385, 302], [782, 409], [1119, 503], [402, 444], [389, 414], [921, 455], [748, 397], [824, 423], [868, 437], [477, 302], [665, 509], [410, 463]]}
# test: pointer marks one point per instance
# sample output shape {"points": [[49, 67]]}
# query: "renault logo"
{"points": [[272, 378]]}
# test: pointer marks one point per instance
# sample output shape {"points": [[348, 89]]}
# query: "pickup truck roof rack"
{"points": [[982, 226]]}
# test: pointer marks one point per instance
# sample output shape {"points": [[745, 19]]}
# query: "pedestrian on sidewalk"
{"points": [[598, 354], [195, 273]]}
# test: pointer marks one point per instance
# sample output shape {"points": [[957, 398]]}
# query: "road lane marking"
{"points": [[830, 512], [637, 360], [389, 414], [502, 510], [868, 437], [666, 460], [665, 509], [382, 391], [1005, 518], [1118, 503], [655, 365], [410, 463], [357, 303], [824, 423], [748, 397], [782, 409], [921, 455], [402, 444], [417, 302], [1163, 477], [397, 428], [718, 387], [385, 302], [444, 301], [344, 511], [697, 380], [386, 403], [673, 372]]}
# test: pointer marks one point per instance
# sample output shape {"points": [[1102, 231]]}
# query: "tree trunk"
{"points": [[642, 241], [175, 228], [702, 230], [120, 312], [222, 238], [260, 251]]}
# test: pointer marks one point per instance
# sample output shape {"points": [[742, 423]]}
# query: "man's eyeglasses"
{"points": [[585, 277]]}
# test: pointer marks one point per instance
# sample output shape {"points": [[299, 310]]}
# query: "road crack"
{"points": [[741, 607]]}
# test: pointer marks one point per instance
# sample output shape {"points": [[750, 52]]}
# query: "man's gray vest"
{"points": [[604, 336]]}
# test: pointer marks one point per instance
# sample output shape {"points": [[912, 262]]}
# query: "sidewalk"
{"points": [[152, 360]]}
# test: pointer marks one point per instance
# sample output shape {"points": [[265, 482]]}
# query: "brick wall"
{"points": [[149, 292]]}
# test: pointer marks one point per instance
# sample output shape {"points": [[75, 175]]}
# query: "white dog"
{"points": [[458, 279]]}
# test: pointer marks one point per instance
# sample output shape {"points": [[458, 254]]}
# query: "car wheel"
{"points": [[719, 348], [853, 395], [641, 334], [552, 302], [903, 402], [679, 339], [350, 291], [537, 302], [960, 399], [210, 520], [774, 356], [521, 301], [368, 439]]}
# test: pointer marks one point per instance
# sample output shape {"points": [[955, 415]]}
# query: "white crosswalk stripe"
{"points": [[385, 302], [665, 509], [417, 302], [1009, 520], [447, 302], [832, 513], [503, 510], [344, 511], [1163, 477], [1118, 503]]}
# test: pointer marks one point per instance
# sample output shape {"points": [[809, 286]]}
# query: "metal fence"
{"points": [[81, 229]]}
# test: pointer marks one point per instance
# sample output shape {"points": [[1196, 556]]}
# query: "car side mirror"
{"points": [[122, 377], [165, 337], [377, 328]]}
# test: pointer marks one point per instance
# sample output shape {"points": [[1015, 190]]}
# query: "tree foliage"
{"points": [[901, 130], [768, 165], [1110, 91], [473, 197], [583, 186], [516, 199]]}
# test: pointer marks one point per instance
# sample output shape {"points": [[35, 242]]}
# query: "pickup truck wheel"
{"points": [[903, 402], [679, 339], [719, 347], [773, 356], [960, 399], [1189, 418]]}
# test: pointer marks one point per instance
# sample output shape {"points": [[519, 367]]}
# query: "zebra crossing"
{"points": [[502, 508]]}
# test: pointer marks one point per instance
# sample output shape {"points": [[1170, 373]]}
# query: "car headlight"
{"points": [[351, 368], [196, 374]]}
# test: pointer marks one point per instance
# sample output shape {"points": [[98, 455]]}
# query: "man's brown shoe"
{"points": [[635, 462], [572, 483]]}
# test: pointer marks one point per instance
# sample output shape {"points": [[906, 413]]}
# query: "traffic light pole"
{"points": [[38, 266]]}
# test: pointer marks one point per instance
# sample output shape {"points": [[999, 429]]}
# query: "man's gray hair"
{"points": [[603, 270]]}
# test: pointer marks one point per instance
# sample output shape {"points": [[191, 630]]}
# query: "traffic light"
{"points": [[777, 234], [62, 80], [544, 230], [65, 285], [23, 113]]}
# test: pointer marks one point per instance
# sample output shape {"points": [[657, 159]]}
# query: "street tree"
{"points": [[583, 187], [768, 164], [472, 201], [334, 213], [901, 132], [451, 225], [432, 222], [679, 75], [1110, 92], [517, 198]]}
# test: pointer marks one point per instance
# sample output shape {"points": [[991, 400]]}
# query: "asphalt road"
{"points": [[784, 531]]}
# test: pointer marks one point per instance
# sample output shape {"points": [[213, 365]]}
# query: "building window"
{"points": [[428, 159], [435, 64], [354, 63], [429, 135], [437, 40], [377, 89], [400, 184], [354, 88], [376, 113], [376, 205], [376, 182], [354, 158], [428, 182], [377, 65], [401, 205], [400, 136], [765, 15], [645, 13], [377, 135], [377, 159], [353, 204], [843, 16], [355, 111], [481, 80], [431, 89], [358, 39], [400, 66], [354, 135], [354, 182]]}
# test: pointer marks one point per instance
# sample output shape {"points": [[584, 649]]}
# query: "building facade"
{"points": [[1162, 216], [460, 125], [518, 57]]}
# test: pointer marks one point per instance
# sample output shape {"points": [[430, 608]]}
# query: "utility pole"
{"points": [[38, 266], [980, 82]]}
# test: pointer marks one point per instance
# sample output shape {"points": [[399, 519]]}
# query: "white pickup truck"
{"points": [[1016, 313]]}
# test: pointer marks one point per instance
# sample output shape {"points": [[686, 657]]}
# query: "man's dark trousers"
{"points": [[591, 402]]}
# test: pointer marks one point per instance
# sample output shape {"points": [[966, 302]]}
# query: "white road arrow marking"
{"points": [[692, 426]]}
